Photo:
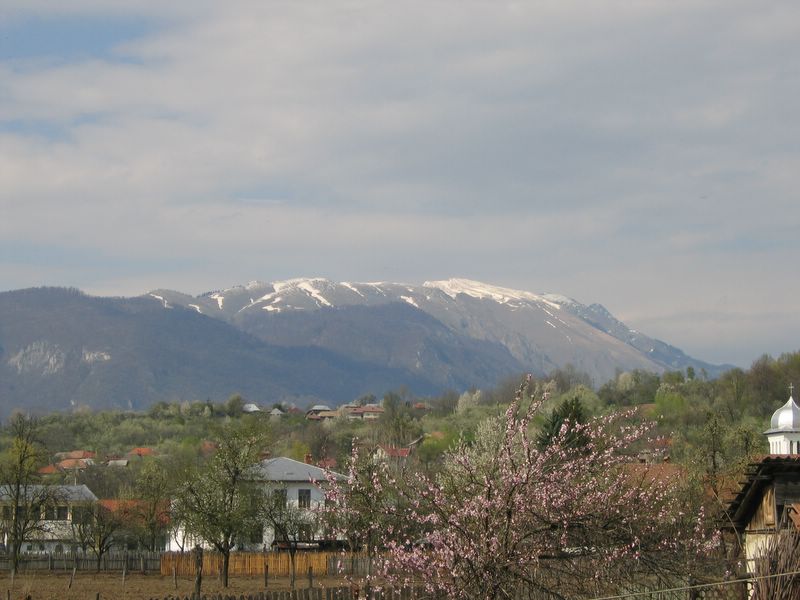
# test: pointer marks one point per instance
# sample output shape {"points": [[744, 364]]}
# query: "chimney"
{"points": [[309, 459]]}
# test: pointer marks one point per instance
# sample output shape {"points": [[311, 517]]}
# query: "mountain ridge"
{"points": [[302, 340], [437, 298]]}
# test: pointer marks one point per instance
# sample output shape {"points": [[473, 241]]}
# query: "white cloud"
{"points": [[637, 155]]}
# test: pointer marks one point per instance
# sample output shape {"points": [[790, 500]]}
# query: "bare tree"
{"points": [[94, 527], [290, 523], [150, 504], [23, 497], [219, 500]]}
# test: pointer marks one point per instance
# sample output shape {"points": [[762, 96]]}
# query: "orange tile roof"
{"points": [[396, 452], [75, 463], [144, 451], [76, 454]]}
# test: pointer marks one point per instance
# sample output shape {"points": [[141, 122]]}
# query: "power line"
{"points": [[698, 586]]}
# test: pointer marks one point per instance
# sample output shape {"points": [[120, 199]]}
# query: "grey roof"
{"points": [[287, 469], [62, 493]]}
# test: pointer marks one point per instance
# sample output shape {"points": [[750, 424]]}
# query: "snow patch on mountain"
{"points": [[353, 288], [161, 299], [483, 291], [220, 298], [410, 300]]}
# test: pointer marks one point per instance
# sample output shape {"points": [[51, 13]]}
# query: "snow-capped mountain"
{"points": [[302, 340], [540, 331]]}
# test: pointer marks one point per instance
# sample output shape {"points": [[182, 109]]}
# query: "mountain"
{"points": [[301, 340], [540, 331], [61, 349]]}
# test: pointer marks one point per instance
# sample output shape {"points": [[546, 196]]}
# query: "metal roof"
{"points": [[287, 469], [61, 493]]}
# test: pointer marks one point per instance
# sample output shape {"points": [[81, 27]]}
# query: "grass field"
{"points": [[55, 586]]}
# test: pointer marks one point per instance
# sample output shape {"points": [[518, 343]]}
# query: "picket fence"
{"points": [[132, 562]]}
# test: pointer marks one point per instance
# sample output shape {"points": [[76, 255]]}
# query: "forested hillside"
{"points": [[711, 426]]}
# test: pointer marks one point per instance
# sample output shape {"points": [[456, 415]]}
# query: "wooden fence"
{"points": [[350, 564], [132, 562], [724, 592], [247, 564]]}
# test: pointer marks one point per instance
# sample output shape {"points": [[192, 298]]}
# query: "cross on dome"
{"points": [[784, 432]]}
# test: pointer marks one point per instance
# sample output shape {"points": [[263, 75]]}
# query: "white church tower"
{"points": [[783, 434]]}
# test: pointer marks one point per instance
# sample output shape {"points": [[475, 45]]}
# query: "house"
{"points": [[75, 454], [58, 508], [768, 501], [314, 413], [368, 412], [141, 452], [391, 453], [298, 484], [250, 408], [323, 415], [769, 498]]}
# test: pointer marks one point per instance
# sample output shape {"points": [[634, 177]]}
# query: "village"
{"points": [[374, 514]]}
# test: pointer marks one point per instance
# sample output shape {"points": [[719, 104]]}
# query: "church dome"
{"points": [[787, 417]]}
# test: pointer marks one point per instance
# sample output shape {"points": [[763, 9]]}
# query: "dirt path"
{"points": [[51, 586]]}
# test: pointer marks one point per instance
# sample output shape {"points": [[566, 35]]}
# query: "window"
{"points": [[304, 498], [55, 513]]}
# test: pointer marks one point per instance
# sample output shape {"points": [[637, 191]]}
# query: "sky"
{"points": [[642, 155]]}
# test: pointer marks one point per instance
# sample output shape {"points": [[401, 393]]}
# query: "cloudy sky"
{"points": [[644, 155]]}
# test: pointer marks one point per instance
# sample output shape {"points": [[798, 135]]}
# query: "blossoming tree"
{"points": [[507, 517]]}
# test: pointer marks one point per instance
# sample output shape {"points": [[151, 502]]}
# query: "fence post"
{"points": [[310, 577], [266, 572]]}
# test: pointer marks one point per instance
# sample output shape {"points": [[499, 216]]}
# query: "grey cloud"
{"points": [[631, 155]]}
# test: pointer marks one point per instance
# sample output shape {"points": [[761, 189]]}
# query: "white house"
{"points": [[59, 507], [301, 485]]}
